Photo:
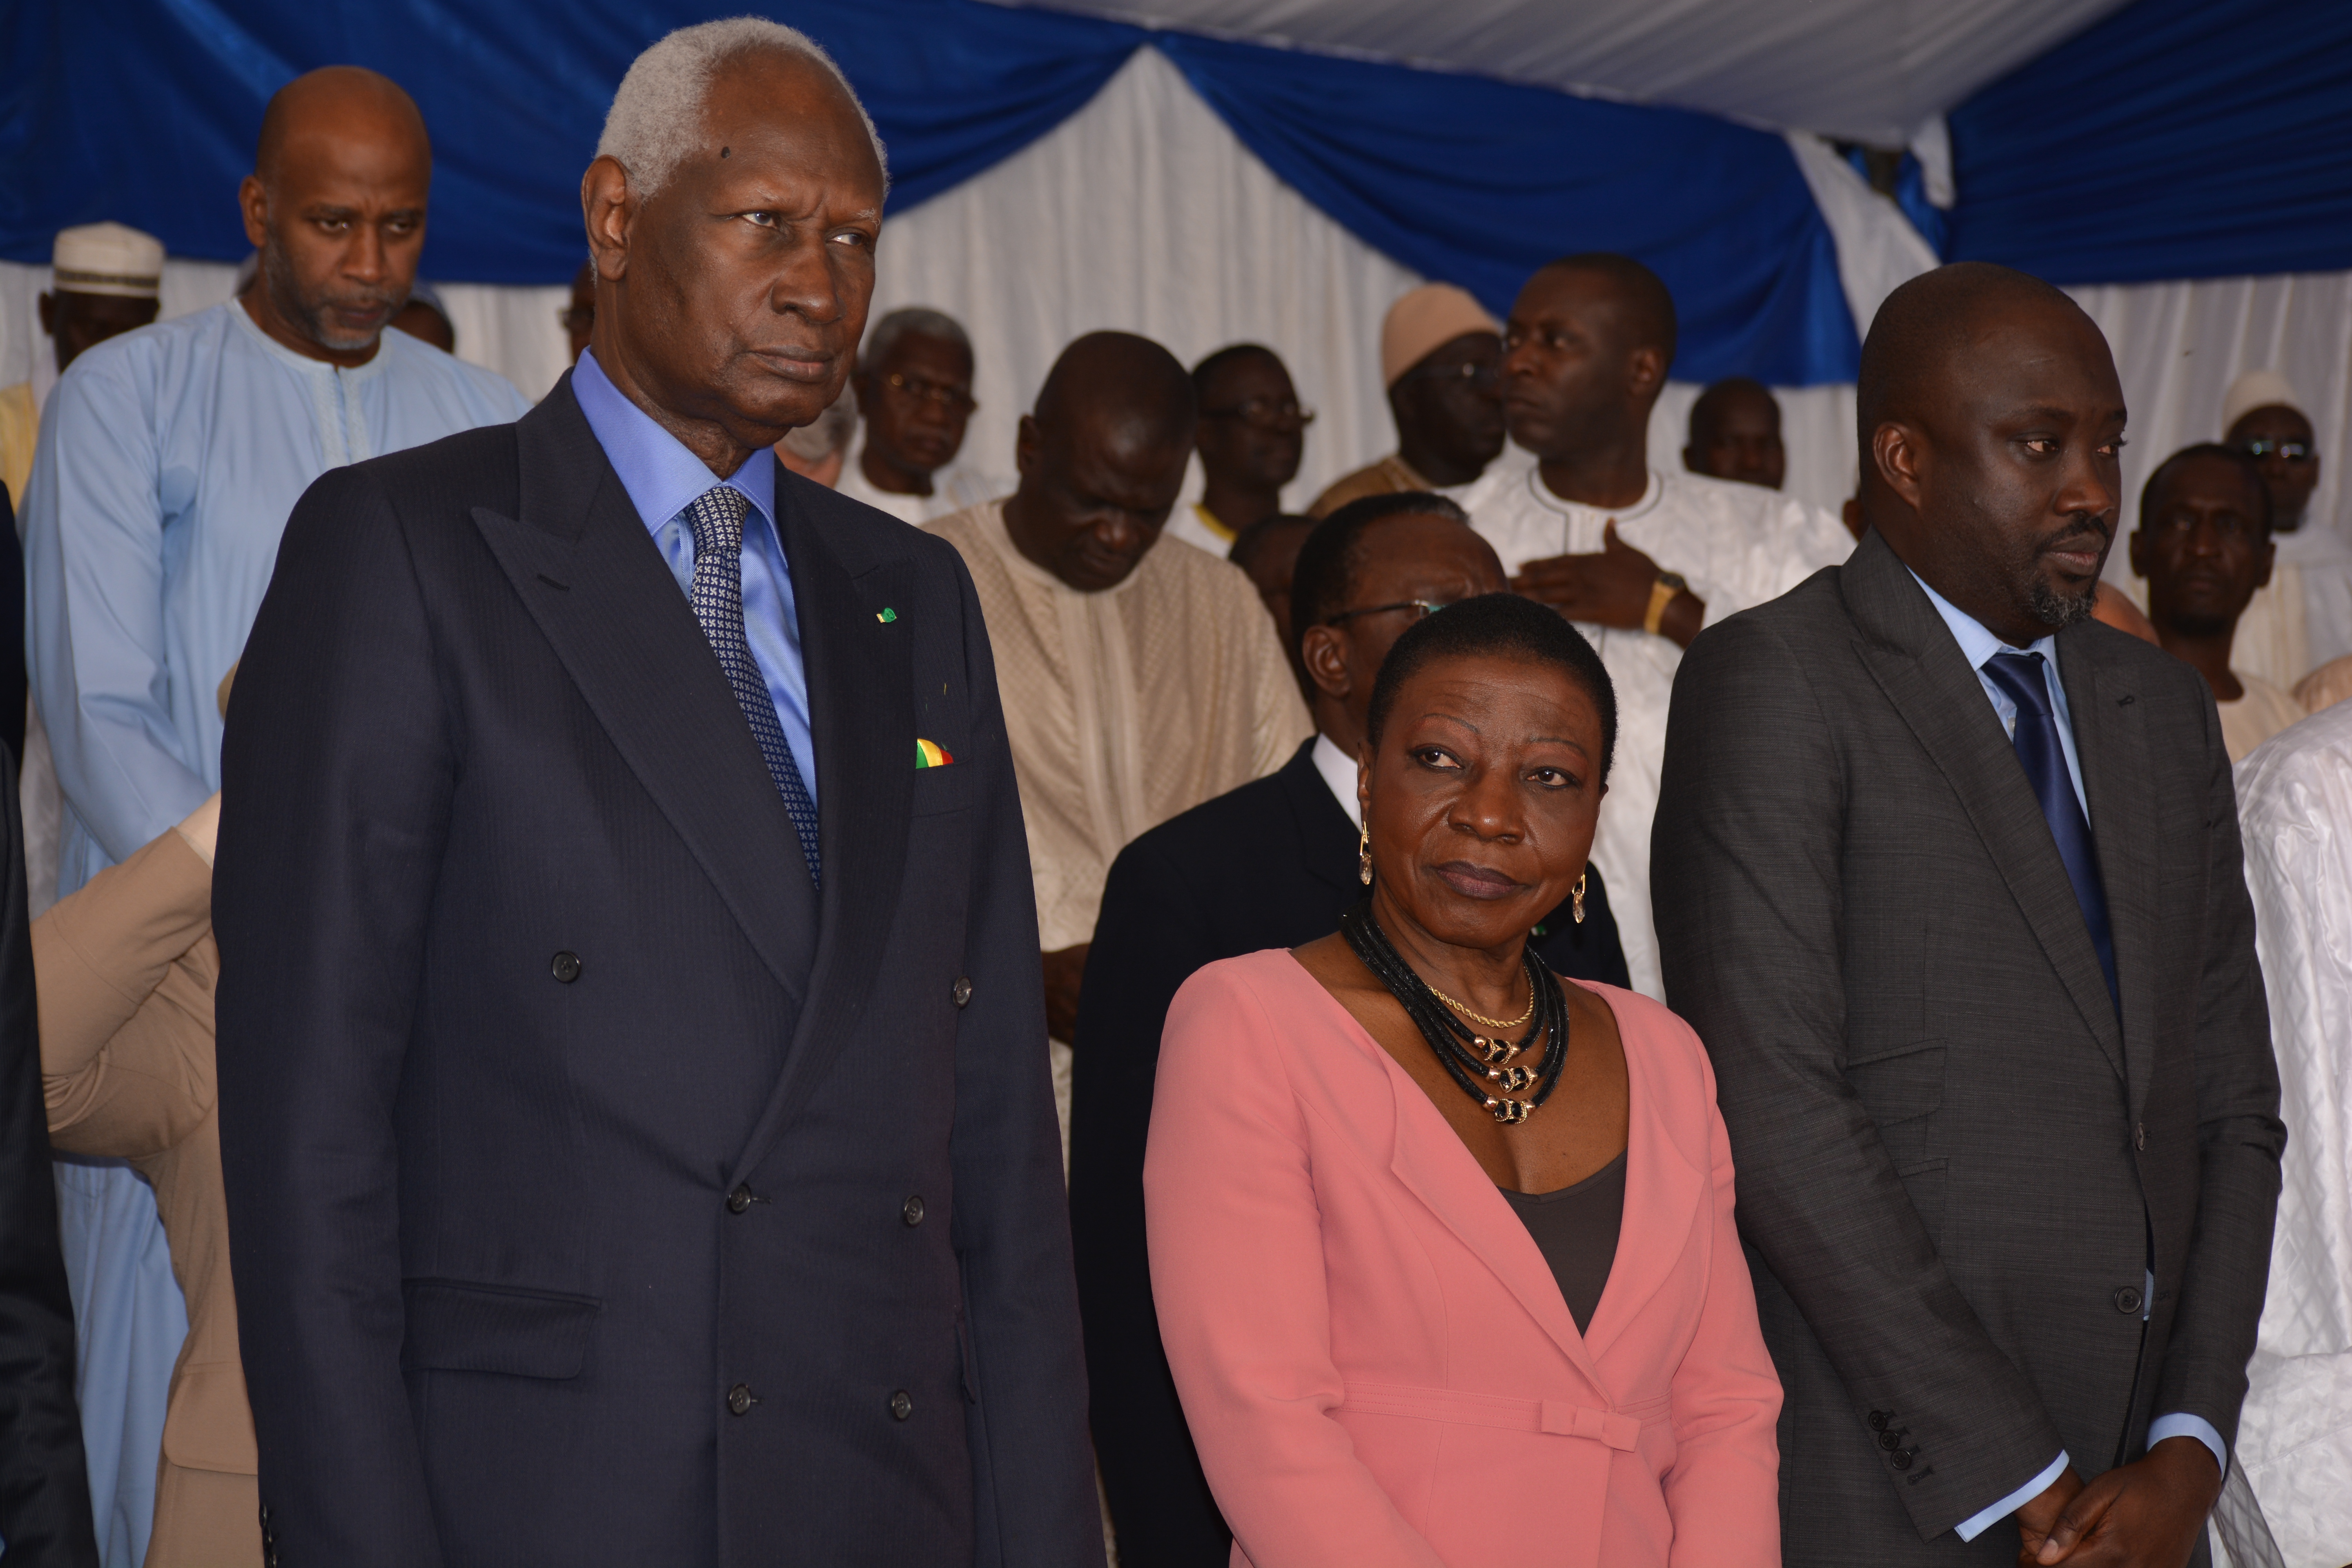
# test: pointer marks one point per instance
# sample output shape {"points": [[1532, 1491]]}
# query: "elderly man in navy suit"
{"points": [[638, 1146]]}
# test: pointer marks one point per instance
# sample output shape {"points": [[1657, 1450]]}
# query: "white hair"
{"points": [[655, 119], [913, 321]]}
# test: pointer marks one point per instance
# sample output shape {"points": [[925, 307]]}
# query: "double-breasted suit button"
{"points": [[565, 967], [911, 1211], [740, 1400], [961, 991], [901, 1406], [740, 1198], [2127, 1298]]}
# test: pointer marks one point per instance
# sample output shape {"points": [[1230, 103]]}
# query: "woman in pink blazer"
{"points": [[1442, 1247]]}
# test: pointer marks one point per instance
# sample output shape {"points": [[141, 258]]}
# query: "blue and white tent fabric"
{"points": [[1209, 171]]}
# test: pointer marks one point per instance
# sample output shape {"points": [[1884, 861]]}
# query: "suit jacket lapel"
{"points": [[1328, 847], [1910, 653], [2112, 744], [862, 710], [591, 577]]}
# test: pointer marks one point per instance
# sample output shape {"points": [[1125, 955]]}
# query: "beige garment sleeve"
{"points": [[1279, 720], [125, 1071], [20, 429]]}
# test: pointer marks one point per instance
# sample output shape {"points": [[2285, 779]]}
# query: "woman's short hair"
{"points": [[1498, 626]]}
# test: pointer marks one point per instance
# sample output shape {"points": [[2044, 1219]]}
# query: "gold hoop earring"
{"points": [[1364, 856], [1576, 896]]}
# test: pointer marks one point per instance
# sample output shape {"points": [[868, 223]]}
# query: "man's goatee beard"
{"points": [[2058, 611]]}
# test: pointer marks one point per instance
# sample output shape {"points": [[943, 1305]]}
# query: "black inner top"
{"points": [[1575, 1228]]}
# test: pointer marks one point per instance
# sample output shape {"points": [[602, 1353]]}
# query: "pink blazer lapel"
{"points": [[1663, 1191], [1431, 1161]]}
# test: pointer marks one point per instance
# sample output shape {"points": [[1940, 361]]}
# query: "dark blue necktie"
{"points": [[2019, 675], [716, 521]]}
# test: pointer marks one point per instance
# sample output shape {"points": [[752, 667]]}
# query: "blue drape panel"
{"points": [[2176, 139], [146, 110], [1480, 182]]}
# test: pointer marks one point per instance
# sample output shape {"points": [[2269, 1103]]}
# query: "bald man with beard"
{"points": [[1141, 675], [169, 460], [1948, 881]]}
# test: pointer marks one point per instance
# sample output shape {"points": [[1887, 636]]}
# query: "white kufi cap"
{"points": [[2256, 389], [109, 258]]}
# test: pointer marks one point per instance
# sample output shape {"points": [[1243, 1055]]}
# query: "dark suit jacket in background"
{"points": [[598, 1194], [45, 1516], [11, 635], [1271, 864], [1953, 1160]]}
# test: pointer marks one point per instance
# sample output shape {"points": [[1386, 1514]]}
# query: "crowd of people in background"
{"points": [[1930, 977]]}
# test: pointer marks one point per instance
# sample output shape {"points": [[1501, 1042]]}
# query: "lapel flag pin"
{"points": [[931, 755], [887, 616]]}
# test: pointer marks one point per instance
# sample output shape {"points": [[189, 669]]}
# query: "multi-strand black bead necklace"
{"points": [[1485, 1065]]}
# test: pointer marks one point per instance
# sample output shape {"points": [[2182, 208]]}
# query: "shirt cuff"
{"points": [[2180, 1424], [1970, 1529]]}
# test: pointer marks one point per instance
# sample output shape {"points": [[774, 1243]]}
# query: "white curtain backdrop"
{"points": [[1143, 211]]}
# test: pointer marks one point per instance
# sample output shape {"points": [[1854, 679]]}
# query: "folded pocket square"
{"points": [[931, 755]]}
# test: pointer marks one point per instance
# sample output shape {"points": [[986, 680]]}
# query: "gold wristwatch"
{"points": [[1661, 594]]}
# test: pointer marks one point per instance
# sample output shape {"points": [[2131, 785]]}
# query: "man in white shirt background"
{"points": [[914, 388], [2303, 618], [2204, 545], [1639, 559], [2294, 1444]]}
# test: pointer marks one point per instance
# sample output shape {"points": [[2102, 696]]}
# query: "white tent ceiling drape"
{"points": [[1863, 71], [1143, 211]]}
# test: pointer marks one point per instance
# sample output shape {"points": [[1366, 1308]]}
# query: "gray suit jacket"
{"points": [[1953, 1160]]}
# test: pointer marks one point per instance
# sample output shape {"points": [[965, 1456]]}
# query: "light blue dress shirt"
{"points": [[1977, 645], [663, 479], [168, 462]]}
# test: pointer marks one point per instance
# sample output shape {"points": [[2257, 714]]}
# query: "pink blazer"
{"points": [[1375, 1361]]}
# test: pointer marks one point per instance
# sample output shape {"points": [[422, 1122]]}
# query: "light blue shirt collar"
{"points": [[1978, 645], [663, 478]]}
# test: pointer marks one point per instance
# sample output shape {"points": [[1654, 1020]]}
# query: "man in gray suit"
{"points": [[1948, 878]]}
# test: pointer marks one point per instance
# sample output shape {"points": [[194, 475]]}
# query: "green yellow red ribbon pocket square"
{"points": [[931, 755]]}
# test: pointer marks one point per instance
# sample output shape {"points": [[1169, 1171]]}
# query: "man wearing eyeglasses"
{"points": [[1639, 558], [914, 388], [1441, 358], [1251, 436], [2303, 618], [1271, 864]]}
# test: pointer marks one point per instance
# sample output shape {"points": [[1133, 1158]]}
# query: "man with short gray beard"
{"points": [[169, 459], [1948, 878]]}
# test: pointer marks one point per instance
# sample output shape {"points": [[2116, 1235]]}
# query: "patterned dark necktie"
{"points": [[716, 519], [2020, 675]]}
